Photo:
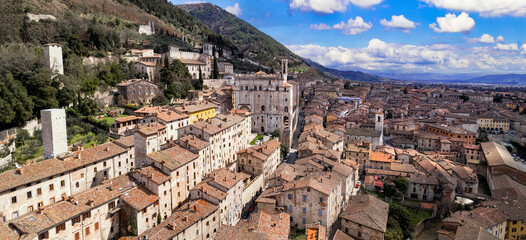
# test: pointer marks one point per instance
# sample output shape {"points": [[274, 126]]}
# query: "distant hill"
{"points": [[351, 75], [249, 40]]}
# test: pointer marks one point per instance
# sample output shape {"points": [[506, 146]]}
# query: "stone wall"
{"points": [[218, 83]]}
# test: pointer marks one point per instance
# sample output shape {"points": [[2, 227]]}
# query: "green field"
{"points": [[256, 138]]}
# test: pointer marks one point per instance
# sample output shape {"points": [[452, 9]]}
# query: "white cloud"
{"points": [[330, 6], [508, 47], [486, 8], [399, 22], [452, 23], [234, 9], [486, 38], [436, 58], [351, 27], [366, 3]]}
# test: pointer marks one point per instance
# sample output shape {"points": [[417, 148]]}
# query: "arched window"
{"points": [[246, 88], [277, 88], [286, 109], [262, 107], [286, 99], [260, 88], [255, 87]]}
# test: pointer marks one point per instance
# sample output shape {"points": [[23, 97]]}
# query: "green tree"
{"points": [[276, 133], [198, 84], [402, 184], [17, 106], [22, 136], [394, 232], [284, 150], [403, 217], [215, 73]]}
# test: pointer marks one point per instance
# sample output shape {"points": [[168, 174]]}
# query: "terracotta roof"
{"points": [[380, 157], [140, 197], [262, 151], [126, 119], [52, 167], [218, 124], [52, 215], [171, 116], [126, 142], [341, 236], [235, 233], [154, 174], [184, 217], [275, 226], [150, 128], [497, 155], [367, 210], [193, 141], [173, 157]]}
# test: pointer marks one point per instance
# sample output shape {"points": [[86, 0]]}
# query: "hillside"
{"points": [[249, 40]]}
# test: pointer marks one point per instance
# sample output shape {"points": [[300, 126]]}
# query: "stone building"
{"points": [[53, 57], [136, 91], [365, 218], [197, 219], [272, 100], [260, 160], [313, 198], [225, 68], [227, 134], [54, 139], [491, 123], [37, 185], [150, 68]]}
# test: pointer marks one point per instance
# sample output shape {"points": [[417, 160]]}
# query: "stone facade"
{"points": [[136, 91], [272, 100], [53, 54], [54, 139]]}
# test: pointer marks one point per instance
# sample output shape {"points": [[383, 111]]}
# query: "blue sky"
{"points": [[403, 36]]}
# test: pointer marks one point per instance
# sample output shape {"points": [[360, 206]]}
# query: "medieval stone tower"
{"points": [[53, 54], [379, 125], [54, 135], [284, 68]]}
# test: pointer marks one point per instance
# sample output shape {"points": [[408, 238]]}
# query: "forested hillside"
{"points": [[250, 41], [84, 28]]}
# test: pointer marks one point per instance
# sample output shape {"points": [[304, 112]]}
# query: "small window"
{"points": [[51, 187], [29, 195], [62, 183], [39, 191], [61, 227], [86, 230], [13, 200]]}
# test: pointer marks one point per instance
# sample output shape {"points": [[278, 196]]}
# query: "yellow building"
{"points": [[516, 229], [493, 124], [516, 211], [198, 111]]}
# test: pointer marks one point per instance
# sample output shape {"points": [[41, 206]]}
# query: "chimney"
{"points": [[107, 148], [194, 208], [20, 171], [79, 156]]}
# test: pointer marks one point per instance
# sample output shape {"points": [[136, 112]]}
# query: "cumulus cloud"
{"points": [[330, 6], [486, 38], [351, 27], [452, 23], [507, 47], [486, 8], [366, 3], [234, 9], [399, 22], [383, 56]]}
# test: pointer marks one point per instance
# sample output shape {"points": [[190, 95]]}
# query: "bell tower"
{"points": [[284, 68]]}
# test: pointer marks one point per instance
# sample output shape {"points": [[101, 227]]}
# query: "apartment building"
{"points": [[261, 159], [227, 134], [34, 186]]}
